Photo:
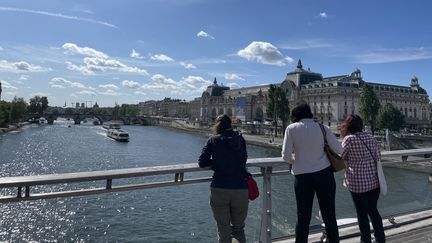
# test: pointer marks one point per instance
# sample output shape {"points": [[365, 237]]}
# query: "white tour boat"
{"points": [[118, 134]]}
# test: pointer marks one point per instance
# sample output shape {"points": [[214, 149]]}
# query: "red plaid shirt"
{"points": [[361, 173]]}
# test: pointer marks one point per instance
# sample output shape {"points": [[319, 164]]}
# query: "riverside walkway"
{"points": [[405, 225]]}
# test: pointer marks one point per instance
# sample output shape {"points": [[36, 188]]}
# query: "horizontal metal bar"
{"points": [[23, 181], [90, 191]]}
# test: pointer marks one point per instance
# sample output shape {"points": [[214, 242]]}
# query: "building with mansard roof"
{"points": [[331, 98]]}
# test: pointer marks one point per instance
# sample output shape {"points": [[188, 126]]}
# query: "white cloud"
{"points": [[86, 51], [162, 79], [233, 76], [108, 86], [196, 80], [262, 52], [394, 55], [58, 81], [289, 59], [190, 85], [140, 93], [7, 85], [21, 66], [188, 65], [97, 61], [24, 77], [131, 84], [233, 85], [82, 69], [58, 86], [204, 34], [87, 92], [162, 58], [57, 15], [39, 94], [110, 92], [136, 54], [323, 15], [12, 93], [1, 48]]}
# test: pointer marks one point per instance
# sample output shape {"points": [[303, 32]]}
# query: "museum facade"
{"points": [[331, 99]]}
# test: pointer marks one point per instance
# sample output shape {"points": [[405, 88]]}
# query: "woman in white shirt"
{"points": [[312, 170]]}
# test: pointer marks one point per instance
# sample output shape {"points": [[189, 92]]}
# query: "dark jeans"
{"points": [[366, 205], [321, 183]]}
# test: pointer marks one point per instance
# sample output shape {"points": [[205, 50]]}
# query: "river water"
{"points": [[173, 214]]}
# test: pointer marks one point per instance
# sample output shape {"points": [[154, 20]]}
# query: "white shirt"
{"points": [[305, 140]]}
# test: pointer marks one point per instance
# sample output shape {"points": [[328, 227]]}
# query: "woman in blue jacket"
{"points": [[225, 152]]}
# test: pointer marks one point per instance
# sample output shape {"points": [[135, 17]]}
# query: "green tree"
{"points": [[277, 106], [4, 112], [390, 117], [18, 108], [44, 104], [69, 111], [116, 110], [38, 104], [369, 106], [128, 110]]}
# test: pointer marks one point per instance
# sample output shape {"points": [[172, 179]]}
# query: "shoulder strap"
{"points": [[366, 147], [323, 132]]}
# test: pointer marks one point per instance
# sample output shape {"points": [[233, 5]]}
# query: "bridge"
{"points": [[79, 117], [25, 188]]}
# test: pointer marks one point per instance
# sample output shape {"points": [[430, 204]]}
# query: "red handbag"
{"points": [[252, 187]]}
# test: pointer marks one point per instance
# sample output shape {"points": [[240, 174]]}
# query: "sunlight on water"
{"points": [[153, 215]]}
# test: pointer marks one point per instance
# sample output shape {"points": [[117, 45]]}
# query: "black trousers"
{"points": [[366, 205], [321, 183]]}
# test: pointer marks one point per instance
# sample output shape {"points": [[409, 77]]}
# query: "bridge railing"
{"points": [[27, 186]]}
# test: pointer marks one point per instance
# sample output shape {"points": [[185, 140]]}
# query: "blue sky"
{"points": [[132, 51]]}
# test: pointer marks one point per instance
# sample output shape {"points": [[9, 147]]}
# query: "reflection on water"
{"points": [[180, 214]]}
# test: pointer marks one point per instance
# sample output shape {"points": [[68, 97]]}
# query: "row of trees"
{"points": [[386, 117], [277, 107], [12, 112], [375, 116], [123, 110]]}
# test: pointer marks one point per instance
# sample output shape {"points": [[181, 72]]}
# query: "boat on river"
{"points": [[118, 135], [111, 126]]}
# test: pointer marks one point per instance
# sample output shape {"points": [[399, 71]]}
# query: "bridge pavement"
{"points": [[407, 228]]}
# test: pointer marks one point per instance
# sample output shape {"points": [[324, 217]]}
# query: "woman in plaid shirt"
{"points": [[361, 151]]}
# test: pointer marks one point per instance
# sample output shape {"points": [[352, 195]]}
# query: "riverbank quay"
{"points": [[259, 140], [13, 127]]}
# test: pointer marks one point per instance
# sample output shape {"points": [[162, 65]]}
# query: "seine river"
{"points": [[173, 214]]}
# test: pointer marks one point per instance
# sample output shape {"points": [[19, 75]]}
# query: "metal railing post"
{"points": [[266, 206]]}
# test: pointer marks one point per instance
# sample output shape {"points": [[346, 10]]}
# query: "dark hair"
{"points": [[223, 122], [352, 124], [301, 111]]}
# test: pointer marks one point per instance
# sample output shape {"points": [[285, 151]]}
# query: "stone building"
{"points": [[167, 107], [331, 99]]}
